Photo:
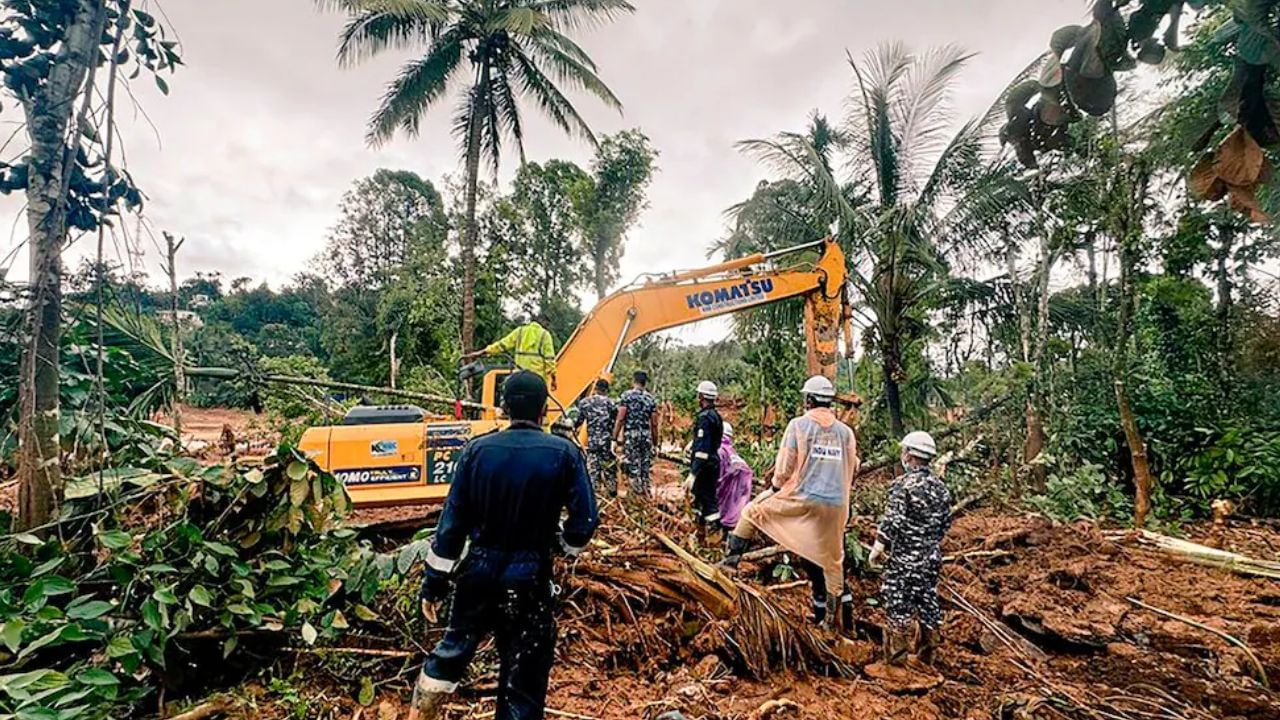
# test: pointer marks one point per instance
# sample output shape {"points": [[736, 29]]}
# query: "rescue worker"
{"points": [[530, 346], [704, 456], [916, 517], [734, 487], [806, 508], [493, 551], [599, 412], [636, 430]]}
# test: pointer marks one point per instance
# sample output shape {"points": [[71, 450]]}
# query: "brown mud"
{"points": [[1039, 624]]}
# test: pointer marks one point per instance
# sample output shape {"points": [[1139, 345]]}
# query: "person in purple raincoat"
{"points": [[734, 487]]}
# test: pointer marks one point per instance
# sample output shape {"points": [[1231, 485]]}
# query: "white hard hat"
{"points": [[820, 387], [707, 389], [920, 444], [728, 430]]}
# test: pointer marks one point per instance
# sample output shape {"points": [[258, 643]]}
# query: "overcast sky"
{"points": [[262, 132]]}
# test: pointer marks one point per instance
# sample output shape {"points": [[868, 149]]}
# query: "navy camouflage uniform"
{"points": [[494, 545], [916, 517], [637, 437], [704, 463], [599, 412]]}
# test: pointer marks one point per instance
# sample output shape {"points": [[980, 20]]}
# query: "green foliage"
{"points": [[385, 219], [541, 228], [916, 189], [1086, 492], [504, 50], [1241, 463], [32, 44], [675, 370], [291, 409], [91, 621], [612, 202]]}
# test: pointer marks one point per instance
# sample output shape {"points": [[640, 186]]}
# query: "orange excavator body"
{"points": [[389, 458]]}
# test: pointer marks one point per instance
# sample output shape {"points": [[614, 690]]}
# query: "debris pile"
{"points": [[1043, 620]]}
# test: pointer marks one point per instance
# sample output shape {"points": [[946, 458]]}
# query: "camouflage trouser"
{"points": [[602, 468], [637, 459], [909, 591]]}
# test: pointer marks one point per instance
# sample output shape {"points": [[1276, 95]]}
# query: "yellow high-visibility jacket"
{"points": [[532, 347]]}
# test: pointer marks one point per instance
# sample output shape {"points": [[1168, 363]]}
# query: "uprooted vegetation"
{"points": [[238, 591], [176, 580]]}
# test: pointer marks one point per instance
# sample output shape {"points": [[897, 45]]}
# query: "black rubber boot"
{"points": [[428, 703], [736, 547], [930, 639], [896, 645], [846, 612], [820, 616]]}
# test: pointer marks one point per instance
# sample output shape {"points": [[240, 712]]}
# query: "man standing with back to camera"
{"points": [[508, 491], [636, 429]]}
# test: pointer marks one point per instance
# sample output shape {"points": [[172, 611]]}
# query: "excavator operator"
{"points": [[508, 491], [530, 345]]}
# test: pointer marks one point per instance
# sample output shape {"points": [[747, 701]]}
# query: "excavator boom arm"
{"points": [[682, 298]]}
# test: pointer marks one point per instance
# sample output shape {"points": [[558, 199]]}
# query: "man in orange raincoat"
{"points": [[807, 507]]}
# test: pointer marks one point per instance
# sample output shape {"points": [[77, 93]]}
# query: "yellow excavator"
{"points": [[396, 455]]}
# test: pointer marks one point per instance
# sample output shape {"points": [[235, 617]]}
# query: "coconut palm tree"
{"points": [[505, 51], [915, 191]]}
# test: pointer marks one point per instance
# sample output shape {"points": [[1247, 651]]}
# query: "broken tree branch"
{"points": [[1203, 554], [204, 710], [1257, 664]]}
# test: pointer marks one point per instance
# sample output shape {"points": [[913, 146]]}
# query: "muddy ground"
{"points": [[1039, 624]]}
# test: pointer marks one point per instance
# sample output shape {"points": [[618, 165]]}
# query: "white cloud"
{"points": [[262, 132]]}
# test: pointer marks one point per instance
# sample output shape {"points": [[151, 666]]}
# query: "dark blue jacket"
{"points": [[508, 492], [708, 430]]}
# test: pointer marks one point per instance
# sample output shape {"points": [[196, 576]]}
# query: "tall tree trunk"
{"points": [[1130, 231], [1036, 399], [179, 381], [599, 259], [1020, 299], [48, 114], [479, 98], [892, 390], [1226, 343]]}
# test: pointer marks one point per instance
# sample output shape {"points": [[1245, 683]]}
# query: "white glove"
{"points": [[876, 557], [688, 483]]}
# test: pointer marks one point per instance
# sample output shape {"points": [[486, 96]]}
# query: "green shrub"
{"points": [[1083, 492], [1239, 463], [89, 622]]}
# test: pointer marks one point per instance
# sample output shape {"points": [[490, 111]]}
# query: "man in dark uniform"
{"points": [[916, 518], [636, 429], [704, 456], [508, 491], [599, 413]]}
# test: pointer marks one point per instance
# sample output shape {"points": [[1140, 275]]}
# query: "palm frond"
{"points": [[578, 14], [920, 103], [141, 336], [379, 25], [420, 84], [518, 20], [872, 118], [549, 97], [959, 160], [506, 110], [567, 68], [473, 107], [566, 45]]}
